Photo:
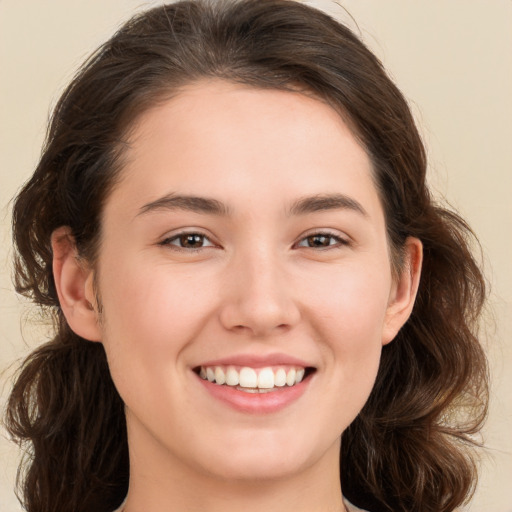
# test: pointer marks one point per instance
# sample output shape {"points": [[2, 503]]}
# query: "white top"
{"points": [[350, 507]]}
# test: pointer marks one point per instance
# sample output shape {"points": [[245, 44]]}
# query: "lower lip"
{"points": [[256, 403]]}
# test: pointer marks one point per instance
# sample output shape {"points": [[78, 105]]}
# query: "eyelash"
{"points": [[181, 237], [339, 241]]}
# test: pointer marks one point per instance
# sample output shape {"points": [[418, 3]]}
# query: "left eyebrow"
{"points": [[323, 202], [195, 204]]}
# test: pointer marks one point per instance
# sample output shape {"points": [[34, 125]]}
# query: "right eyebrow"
{"points": [[195, 204], [324, 202]]}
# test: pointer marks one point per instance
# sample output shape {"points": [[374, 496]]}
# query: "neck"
{"points": [[160, 482]]}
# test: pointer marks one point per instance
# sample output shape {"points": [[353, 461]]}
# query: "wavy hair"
{"points": [[409, 448]]}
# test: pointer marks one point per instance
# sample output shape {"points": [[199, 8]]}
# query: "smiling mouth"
{"points": [[255, 380]]}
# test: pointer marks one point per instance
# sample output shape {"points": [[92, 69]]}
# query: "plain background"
{"points": [[453, 61]]}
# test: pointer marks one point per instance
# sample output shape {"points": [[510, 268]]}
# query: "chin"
{"points": [[247, 471], [258, 460]]}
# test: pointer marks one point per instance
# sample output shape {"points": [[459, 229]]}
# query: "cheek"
{"points": [[351, 302], [350, 320], [149, 319], [153, 301], [347, 310]]}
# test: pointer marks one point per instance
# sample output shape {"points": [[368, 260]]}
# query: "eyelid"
{"points": [[342, 239], [166, 241]]}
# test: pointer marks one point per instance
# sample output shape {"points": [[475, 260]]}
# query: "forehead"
{"points": [[214, 138]]}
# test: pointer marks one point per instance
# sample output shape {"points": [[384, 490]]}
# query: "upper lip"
{"points": [[257, 361]]}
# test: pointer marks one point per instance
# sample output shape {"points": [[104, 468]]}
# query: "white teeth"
{"points": [[290, 377], [220, 378], [266, 378], [280, 378], [252, 379], [232, 378], [248, 378]]}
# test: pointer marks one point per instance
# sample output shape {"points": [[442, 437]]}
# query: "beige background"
{"points": [[452, 59]]}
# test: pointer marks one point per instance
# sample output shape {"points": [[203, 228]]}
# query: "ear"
{"points": [[404, 290], [74, 282]]}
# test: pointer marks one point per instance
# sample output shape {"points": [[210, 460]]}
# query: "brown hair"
{"points": [[408, 448]]}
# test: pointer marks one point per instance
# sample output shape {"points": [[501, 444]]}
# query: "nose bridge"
{"points": [[259, 295]]}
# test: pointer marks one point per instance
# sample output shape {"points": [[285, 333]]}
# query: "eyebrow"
{"points": [[205, 205], [324, 202], [189, 203]]}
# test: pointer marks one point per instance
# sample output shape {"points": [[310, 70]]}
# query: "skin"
{"points": [[254, 285]]}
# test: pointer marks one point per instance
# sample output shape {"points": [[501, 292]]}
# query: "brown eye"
{"points": [[321, 241], [191, 240], [188, 241]]}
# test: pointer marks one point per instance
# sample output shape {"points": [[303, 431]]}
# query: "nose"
{"points": [[258, 296]]}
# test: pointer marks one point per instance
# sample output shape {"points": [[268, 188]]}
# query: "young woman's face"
{"points": [[246, 242]]}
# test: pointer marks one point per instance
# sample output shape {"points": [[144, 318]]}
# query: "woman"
{"points": [[257, 302]]}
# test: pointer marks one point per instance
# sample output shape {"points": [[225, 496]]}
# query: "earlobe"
{"points": [[405, 288], [74, 284]]}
